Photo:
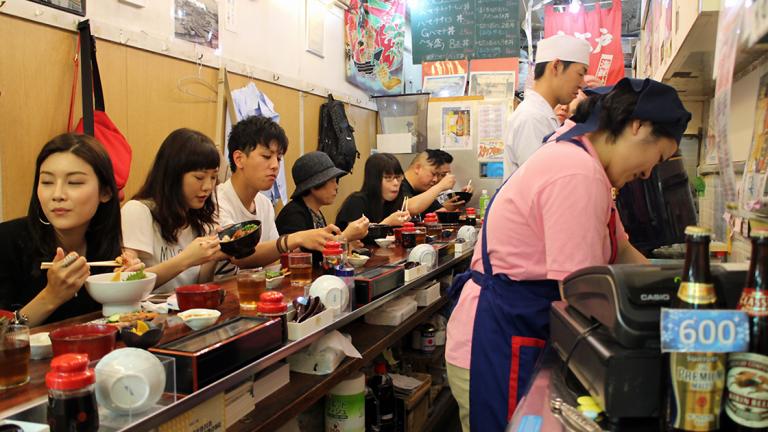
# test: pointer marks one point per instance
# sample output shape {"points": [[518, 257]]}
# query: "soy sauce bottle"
{"points": [[71, 398]]}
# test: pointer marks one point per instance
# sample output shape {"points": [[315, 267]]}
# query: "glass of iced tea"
{"points": [[250, 284], [300, 265], [14, 356]]}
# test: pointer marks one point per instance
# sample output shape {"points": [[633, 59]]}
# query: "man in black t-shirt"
{"points": [[426, 178]]}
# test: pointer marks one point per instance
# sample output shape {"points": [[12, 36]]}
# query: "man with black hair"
{"points": [[561, 64], [426, 178], [256, 146]]}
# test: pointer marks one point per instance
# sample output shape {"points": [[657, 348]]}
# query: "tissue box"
{"points": [[427, 295], [392, 313], [324, 355], [297, 331]]}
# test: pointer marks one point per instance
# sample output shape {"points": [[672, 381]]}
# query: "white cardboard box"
{"points": [[427, 295], [393, 312]]}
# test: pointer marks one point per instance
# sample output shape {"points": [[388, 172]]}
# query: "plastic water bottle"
{"points": [[484, 199]]}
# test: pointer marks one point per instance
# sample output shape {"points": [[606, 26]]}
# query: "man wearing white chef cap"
{"points": [[561, 64]]}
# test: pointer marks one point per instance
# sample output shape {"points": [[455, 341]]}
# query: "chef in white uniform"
{"points": [[561, 64]]}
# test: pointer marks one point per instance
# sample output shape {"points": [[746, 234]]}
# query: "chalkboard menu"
{"points": [[465, 29]]}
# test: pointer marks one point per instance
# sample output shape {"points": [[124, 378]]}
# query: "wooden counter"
{"points": [[369, 342]]}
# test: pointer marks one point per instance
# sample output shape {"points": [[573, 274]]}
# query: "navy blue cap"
{"points": [[657, 102]]}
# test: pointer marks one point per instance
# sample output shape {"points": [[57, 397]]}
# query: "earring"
{"points": [[42, 221]]}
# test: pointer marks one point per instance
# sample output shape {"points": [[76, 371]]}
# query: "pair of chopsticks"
{"points": [[405, 204], [48, 265]]}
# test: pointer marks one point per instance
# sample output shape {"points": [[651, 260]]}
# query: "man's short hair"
{"points": [[438, 157], [540, 68], [254, 131]]}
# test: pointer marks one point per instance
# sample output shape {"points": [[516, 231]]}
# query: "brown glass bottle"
{"points": [[746, 401], [694, 381]]}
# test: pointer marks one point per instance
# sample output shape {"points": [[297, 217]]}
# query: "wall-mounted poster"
{"points": [[756, 169], [492, 85], [490, 130], [76, 7], [374, 36], [315, 27], [197, 21], [455, 130], [445, 85]]}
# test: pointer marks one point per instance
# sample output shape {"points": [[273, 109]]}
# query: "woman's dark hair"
{"points": [[376, 167], [183, 151], [255, 131], [616, 111], [104, 235]]}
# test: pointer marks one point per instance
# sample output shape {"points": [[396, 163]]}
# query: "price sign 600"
{"points": [[685, 330]]}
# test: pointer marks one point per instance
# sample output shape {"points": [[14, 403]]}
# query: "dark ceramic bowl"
{"points": [[96, 340], [147, 340], [197, 296], [241, 247], [377, 231], [463, 196], [451, 217]]}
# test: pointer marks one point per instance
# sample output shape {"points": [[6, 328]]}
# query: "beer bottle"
{"points": [[746, 403], [695, 380]]}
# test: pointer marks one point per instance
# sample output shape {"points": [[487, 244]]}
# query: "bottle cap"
{"points": [[408, 227], [430, 218], [485, 192], [332, 248], [470, 210], [697, 230], [69, 372]]}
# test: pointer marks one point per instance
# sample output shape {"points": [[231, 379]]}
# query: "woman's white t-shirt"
{"points": [[142, 233]]}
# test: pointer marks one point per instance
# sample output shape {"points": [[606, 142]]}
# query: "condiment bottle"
{"points": [[409, 235], [471, 216], [433, 226], [71, 397], [271, 304], [333, 256], [347, 274]]}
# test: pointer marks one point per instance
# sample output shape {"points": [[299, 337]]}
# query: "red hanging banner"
{"points": [[601, 28]]}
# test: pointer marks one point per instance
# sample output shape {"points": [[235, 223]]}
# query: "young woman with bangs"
{"points": [[170, 222], [379, 199]]}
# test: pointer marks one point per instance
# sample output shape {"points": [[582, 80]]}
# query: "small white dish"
{"points": [[40, 346], [358, 260], [385, 242], [129, 381], [198, 319], [275, 282]]}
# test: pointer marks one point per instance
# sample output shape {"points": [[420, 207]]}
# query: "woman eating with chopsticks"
{"points": [[73, 218], [379, 198]]}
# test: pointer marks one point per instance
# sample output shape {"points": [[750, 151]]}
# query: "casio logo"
{"points": [[654, 297]]}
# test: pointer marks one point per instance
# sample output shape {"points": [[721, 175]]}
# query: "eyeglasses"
{"points": [[392, 177], [440, 175]]}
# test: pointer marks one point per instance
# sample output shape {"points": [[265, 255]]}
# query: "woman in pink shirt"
{"points": [[554, 216]]}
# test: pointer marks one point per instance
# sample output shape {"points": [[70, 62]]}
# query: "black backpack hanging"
{"points": [[336, 136]]}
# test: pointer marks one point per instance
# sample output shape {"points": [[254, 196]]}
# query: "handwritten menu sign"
{"points": [[465, 29]]}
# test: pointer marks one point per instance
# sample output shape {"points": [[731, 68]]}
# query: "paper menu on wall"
{"points": [[490, 130]]}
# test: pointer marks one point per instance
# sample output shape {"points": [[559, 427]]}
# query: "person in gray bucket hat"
{"points": [[316, 179]]}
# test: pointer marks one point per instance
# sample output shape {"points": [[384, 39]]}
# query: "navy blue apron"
{"points": [[510, 330]]}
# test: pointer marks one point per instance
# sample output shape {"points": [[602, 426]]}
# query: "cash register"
{"points": [[607, 330]]}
